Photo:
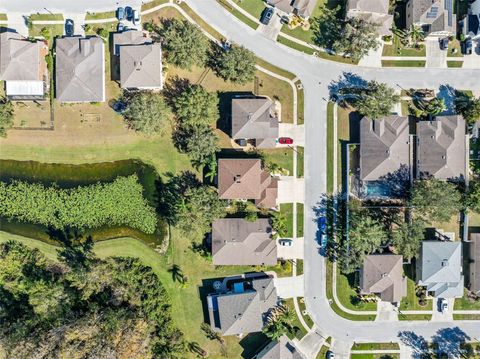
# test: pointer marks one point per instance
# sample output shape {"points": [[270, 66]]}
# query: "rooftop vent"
{"points": [[237, 178], [445, 263]]}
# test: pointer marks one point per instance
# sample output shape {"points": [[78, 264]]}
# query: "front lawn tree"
{"points": [[408, 237], [195, 106], [468, 106], [236, 64], [183, 43], [373, 100], [199, 143], [435, 200], [146, 112], [6, 116]]}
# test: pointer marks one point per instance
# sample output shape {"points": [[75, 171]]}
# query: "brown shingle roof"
{"points": [[236, 241], [382, 274]]}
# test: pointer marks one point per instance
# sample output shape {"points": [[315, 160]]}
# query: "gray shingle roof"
{"points": [[475, 262], [130, 37], [441, 268], [384, 146], [254, 118], [281, 349], [19, 58], [375, 11], [382, 274], [303, 8], [141, 66], [441, 148], [79, 68], [430, 12], [236, 241], [242, 313]]}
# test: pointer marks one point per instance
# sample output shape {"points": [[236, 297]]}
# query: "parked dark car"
{"points": [[69, 27], [267, 15], [444, 43], [128, 13], [120, 13], [468, 47], [323, 224]]}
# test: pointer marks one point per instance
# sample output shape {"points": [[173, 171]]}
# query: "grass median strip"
{"points": [[238, 14], [456, 64], [100, 15], [410, 317], [46, 17], [403, 63], [152, 4], [296, 46], [299, 219], [375, 346], [330, 140]]}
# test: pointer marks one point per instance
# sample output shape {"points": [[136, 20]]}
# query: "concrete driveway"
{"points": [[291, 189], [293, 252], [473, 61], [296, 132], [435, 56], [438, 316], [271, 30], [289, 287]]}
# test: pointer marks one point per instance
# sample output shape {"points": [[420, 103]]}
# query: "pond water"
{"points": [[70, 176]]}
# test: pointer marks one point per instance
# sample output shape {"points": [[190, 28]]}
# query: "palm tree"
{"points": [[195, 348], [212, 169], [177, 275], [211, 334], [435, 106], [415, 35], [279, 322], [279, 224]]}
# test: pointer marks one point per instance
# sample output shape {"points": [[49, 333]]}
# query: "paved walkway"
{"points": [[374, 57], [436, 57], [291, 190], [311, 343], [295, 251]]}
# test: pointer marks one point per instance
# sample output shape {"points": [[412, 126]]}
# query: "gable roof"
{"points": [[236, 241], [242, 312], [20, 59], [441, 148], [141, 66], [475, 262], [79, 69], [378, 6], [441, 268], [382, 274], [374, 11], [243, 178], [437, 14], [384, 146], [281, 349], [304, 8], [129, 37], [253, 118]]}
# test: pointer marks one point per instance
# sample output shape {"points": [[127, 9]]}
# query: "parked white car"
{"points": [[285, 242], [443, 305]]}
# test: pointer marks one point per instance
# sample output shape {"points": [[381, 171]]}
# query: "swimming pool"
{"points": [[382, 189]]}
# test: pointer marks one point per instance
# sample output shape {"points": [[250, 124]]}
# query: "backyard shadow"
{"points": [[448, 341], [448, 94], [203, 291], [347, 80], [253, 343]]}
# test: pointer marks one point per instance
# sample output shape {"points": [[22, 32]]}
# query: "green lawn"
{"points": [[300, 104], [287, 210], [308, 320], [330, 142], [152, 4], [299, 266], [410, 302], [301, 34], [296, 323], [454, 64], [295, 46], [466, 317], [45, 17], [348, 296], [411, 317], [253, 7], [322, 354], [281, 156], [465, 304], [299, 219], [300, 161], [397, 49], [238, 14], [403, 63], [454, 45], [55, 30], [200, 21], [375, 346], [100, 15], [273, 68]]}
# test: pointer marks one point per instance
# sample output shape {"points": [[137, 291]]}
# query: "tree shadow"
{"points": [[253, 343], [203, 291], [448, 341], [174, 88], [448, 94], [348, 80], [416, 342]]}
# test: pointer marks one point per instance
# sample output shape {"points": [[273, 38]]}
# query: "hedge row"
{"points": [[116, 203]]}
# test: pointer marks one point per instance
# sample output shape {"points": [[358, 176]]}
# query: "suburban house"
{"points": [[23, 66], [441, 148], [80, 69], [374, 11], [440, 269], [140, 60], [385, 153], [283, 348], [301, 8], [382, 274], [244, 179], [255, 119], [474, 278], [236, 241], [471, 23], [435, 17], [243, 308]]}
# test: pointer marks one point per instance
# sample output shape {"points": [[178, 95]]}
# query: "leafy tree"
{"points": [[408, 237], [194, 106], [236, 64], [146, 112], [251, 216], [103, 33], [6, 116], [473, 196], [199, 143], [76, 252], [374, 100], [279, 224], [211, 168], [415, 35], [279, 322], [435, 200], [183, 43], [198, 208], [366, 235], [352, 37], [211, 334], [468, 106]]}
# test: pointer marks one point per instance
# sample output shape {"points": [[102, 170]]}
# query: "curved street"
{"points": [[316, 75]]}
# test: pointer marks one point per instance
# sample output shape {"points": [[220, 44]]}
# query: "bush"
{"points": [[103, 33], [103, 204]]}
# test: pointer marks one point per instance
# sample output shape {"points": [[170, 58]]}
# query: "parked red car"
{"points": [[285, 140]]}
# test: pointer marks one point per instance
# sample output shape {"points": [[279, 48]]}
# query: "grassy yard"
{"points": [[397, 49], [306, 317], [454, 48], [296, 46], [410, 302], [100, 15], [299, 266], [453, 225], [348, 295], [411, 317], [300, 219], [330, 142], [466, 317], [301, 34], [55, 30], [187, 306], [287, 210], [375, 346], [151, 4], [238, 14], [300, 104], [403, 63], [465, 304], [301, 332], [322, 354], [300, 161], [46, 17], [456, 64], [283, 157], [253, 7]]}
